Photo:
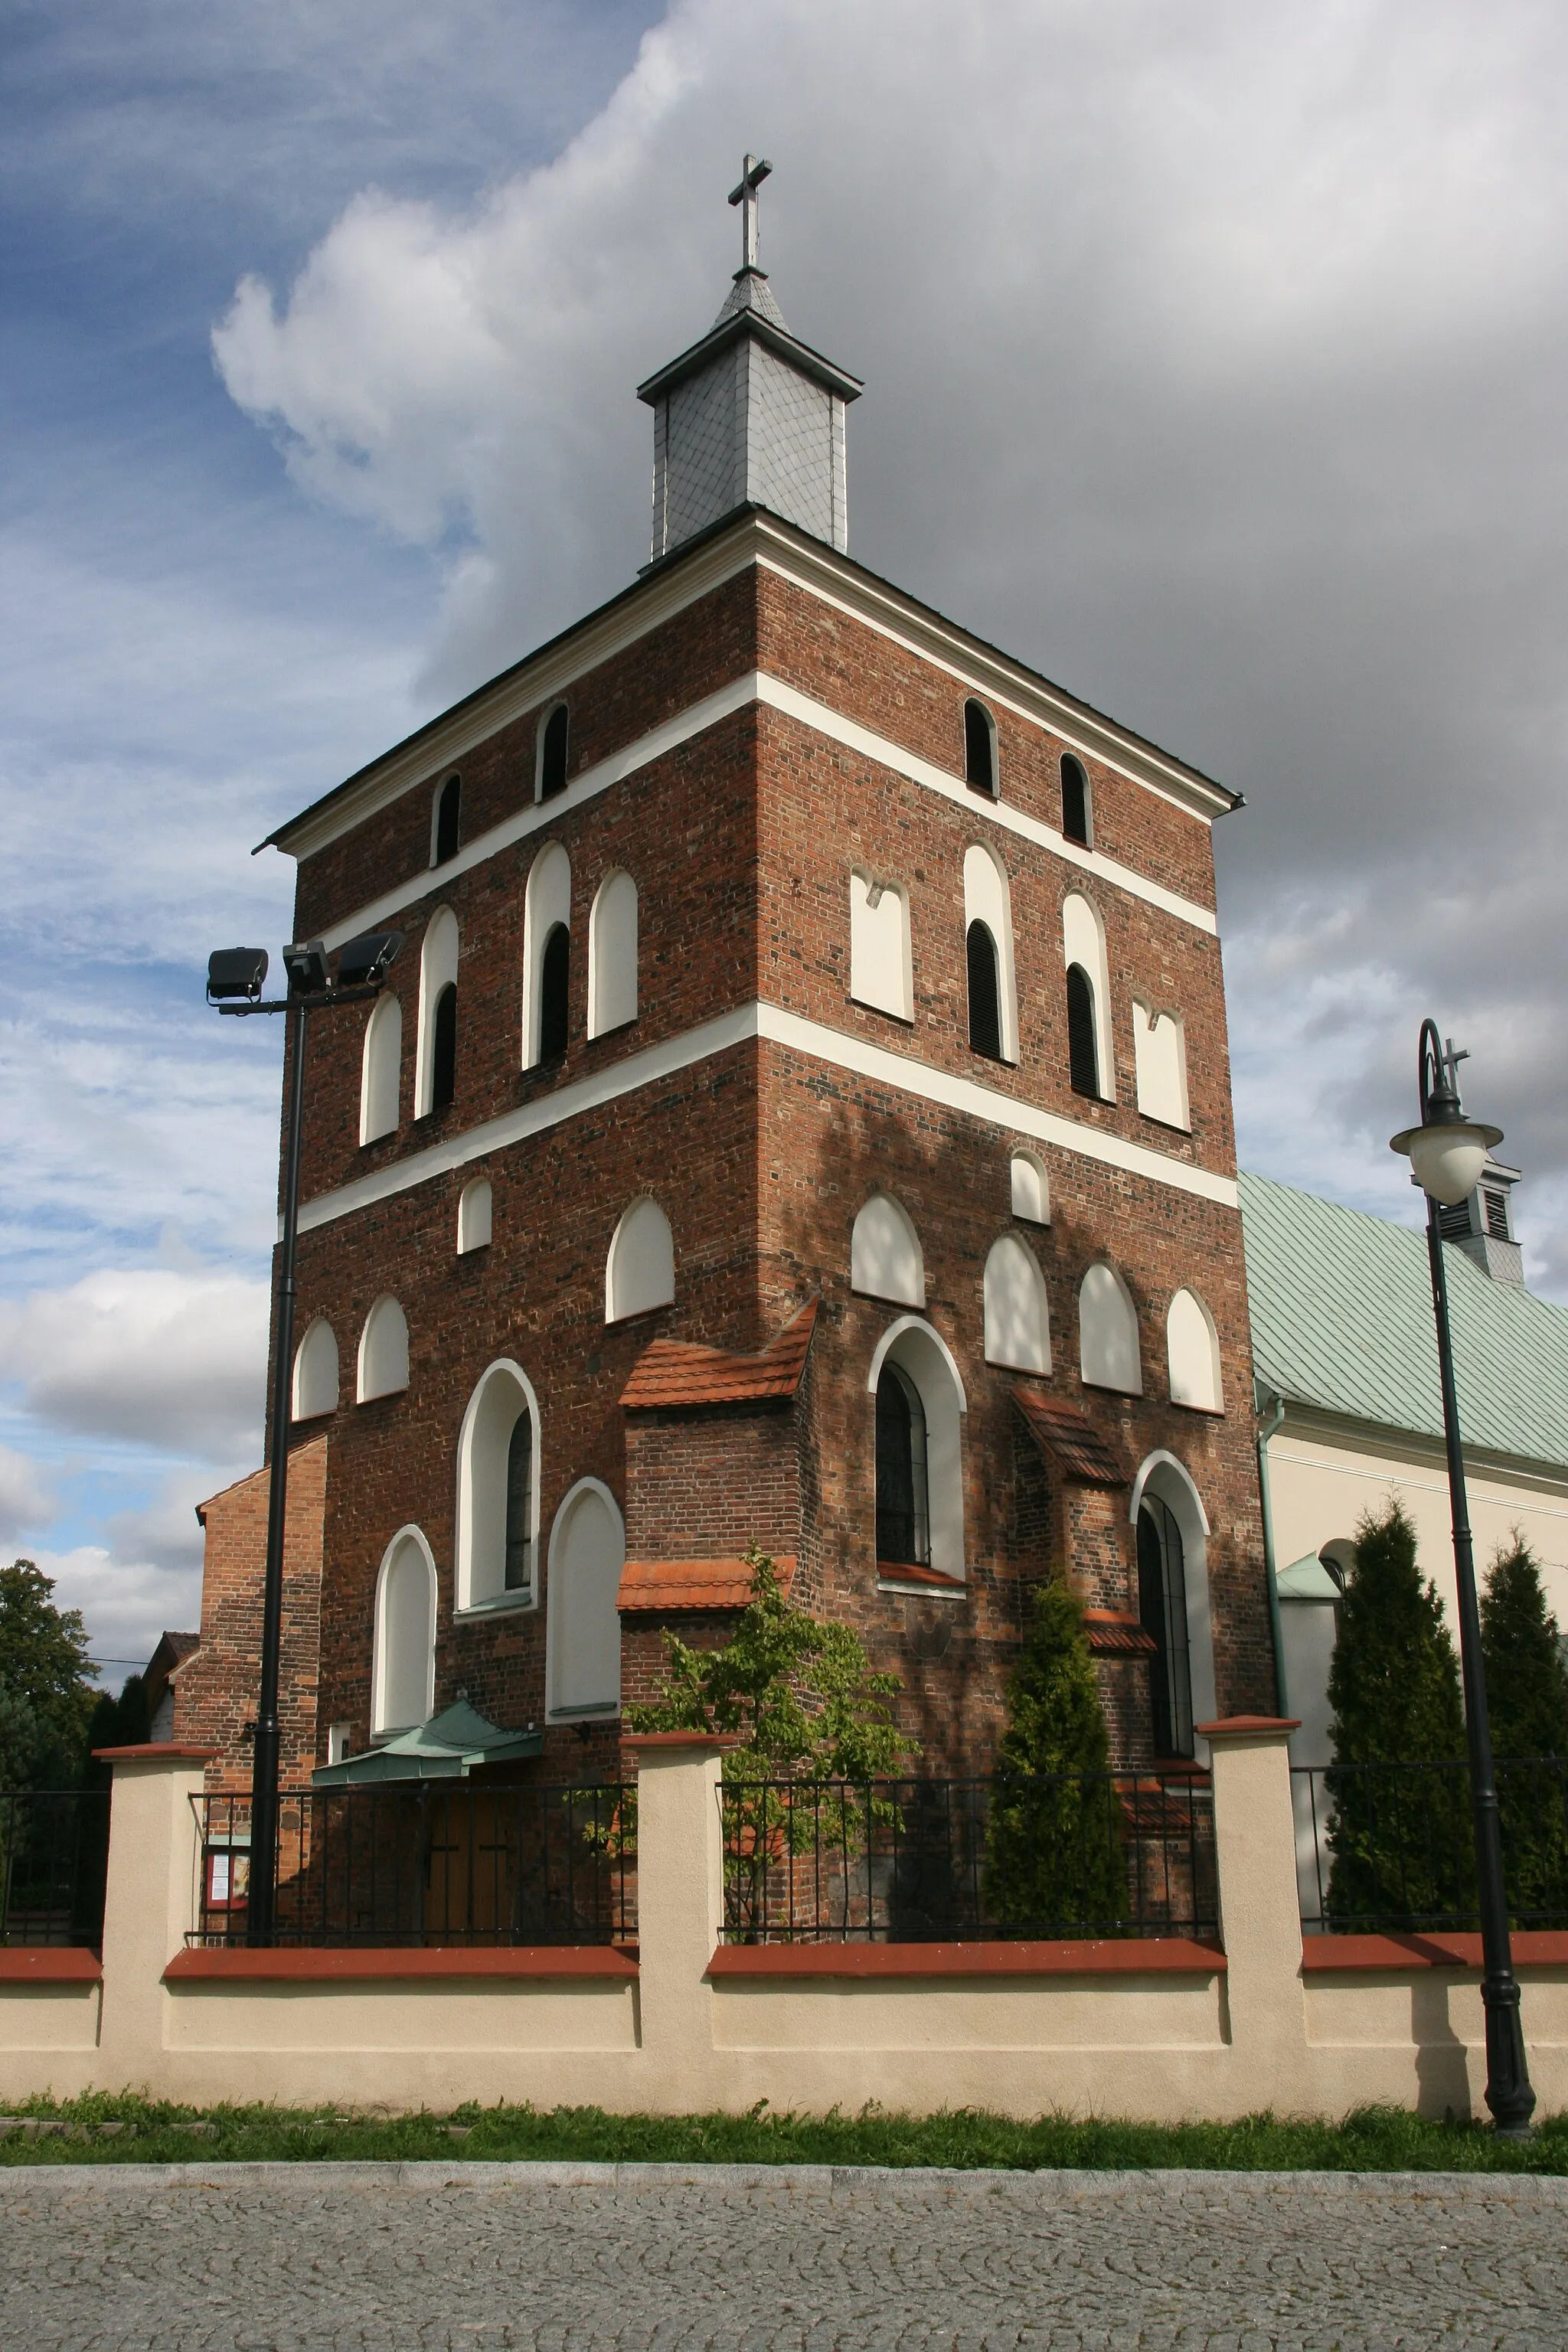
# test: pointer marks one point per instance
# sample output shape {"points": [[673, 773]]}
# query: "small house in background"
{"points": [[1350, 1413], [158, 1681]]}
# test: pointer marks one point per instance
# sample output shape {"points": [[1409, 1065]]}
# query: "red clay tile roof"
{"points": [[662, 1584], [889, 1572], [672, 1373], [1117, 1633], [1068, 1440]]}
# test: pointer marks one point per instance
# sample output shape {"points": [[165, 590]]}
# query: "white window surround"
{"points": [[613, 954], [583, 1638], [639, 1265], [1083, 943], [1016, 1310], [1192, 1352], [474, 1212], [886, 1260], [560, 703], [986, 900], [834, 1049], [315, 1385], [881, 972], [1031, 1188], [381, 1069], [501, 1395], [383, 1365], [403, 1660], [437, 970], [1161, 1474], [1110, 1356], [1159, 1058], [546, 902], [921, 1351]]}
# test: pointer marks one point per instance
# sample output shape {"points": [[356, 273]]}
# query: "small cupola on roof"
{"points": [[749, 417]]}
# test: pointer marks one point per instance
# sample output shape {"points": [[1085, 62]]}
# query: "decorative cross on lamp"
{"points": [[754, 170]]}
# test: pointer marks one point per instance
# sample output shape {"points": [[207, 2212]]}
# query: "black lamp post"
{"points": [[236, 977], [1448, 1152]]}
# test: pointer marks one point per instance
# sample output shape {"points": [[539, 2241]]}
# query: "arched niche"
{"points": [[1017, 1316], [1031, 1189], [880, 970], [639, 1272], [497, 1491], [381, 1069], [1192, 1350], [886, 1260], [613, 954], [910, 1352], [546, 908], [1108, 1349], [1083, 949], [1163, 1480], [437, 1013], [403, 1660], [583, 1638], [382, 1366], [474, 1215], [315, 1387], [1160, 1061], [988, 901]]}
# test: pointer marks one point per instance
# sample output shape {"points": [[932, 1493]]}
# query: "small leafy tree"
{"points": [[1527, 1700], [46, 1686], [1402, 1843], [1054, 1854]]}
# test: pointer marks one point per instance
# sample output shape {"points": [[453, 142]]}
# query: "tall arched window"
{"points": [[474, 1216], [612, 955], [1162, 1606], [639, 1273], [583, 1638], [918, 1456], [979, 748], [1017, 1316], [316, 1371], [403, 1660], [497, 1491], [435, 1066], [987, 902], [985, 992], [879, 968], [383, 1352], [1160, 1061], [381, 1069], [1192, 1346], [546, 910], [1108, 1351], [885, 1257], [446, 823], [554, 745], [1089, 998], [1078, 815]]}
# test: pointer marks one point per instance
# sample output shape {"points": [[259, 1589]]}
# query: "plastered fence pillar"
{"points": [[680, 1896], [154, 1854], [1259, 1911]]}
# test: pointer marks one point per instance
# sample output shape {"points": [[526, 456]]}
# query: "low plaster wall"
{"points": [[1161, 2030]]}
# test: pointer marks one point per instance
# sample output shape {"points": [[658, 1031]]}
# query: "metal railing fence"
{"points": [[428, 1863], [54, 1861], [921, 1861], [1388, 1848]]}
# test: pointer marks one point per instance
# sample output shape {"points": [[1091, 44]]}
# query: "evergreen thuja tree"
{"points": [[1527, 1700], [1054, 1861], [1401, 1837]]}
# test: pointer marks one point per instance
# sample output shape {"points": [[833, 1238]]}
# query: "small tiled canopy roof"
{"points": [[656, 1585], [1068, 1440], [672, 1374], [1117, 1633]]}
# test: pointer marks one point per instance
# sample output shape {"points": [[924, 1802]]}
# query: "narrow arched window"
{"points": [[1162, 1607], [1075, 811], [554, 745], [498, 1490], [449, 820], [546, 908], [381, 1069], [903, 1488], [979, 748], [555, 972], [518, 1571], [444, 1048], [613, 955], [1083, 1045], [985, 992]]}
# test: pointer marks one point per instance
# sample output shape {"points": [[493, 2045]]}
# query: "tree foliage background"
{"points": [[46, 1697]]}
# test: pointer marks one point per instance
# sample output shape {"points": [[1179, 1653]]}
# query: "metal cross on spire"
{"points": [[753, 171]]}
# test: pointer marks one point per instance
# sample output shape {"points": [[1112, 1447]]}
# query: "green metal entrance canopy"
{"points": [[445, 1748]]}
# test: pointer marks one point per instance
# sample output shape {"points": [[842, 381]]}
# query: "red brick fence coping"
{"points": [[1533, 1947], [50, 1964], [1118, 1956], [294, 1965]]}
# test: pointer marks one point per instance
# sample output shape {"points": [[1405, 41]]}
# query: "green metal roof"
{"points": [[447, 1748], [1341, 1319]]}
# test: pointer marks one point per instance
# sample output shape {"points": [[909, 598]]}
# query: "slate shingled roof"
{"points": [[1341, 1319], [670, 1375]]}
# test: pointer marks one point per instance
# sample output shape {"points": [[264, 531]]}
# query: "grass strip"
{"points": [[118, 2130]]}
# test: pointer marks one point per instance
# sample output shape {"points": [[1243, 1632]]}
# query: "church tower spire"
{"points": [[750, 415]]}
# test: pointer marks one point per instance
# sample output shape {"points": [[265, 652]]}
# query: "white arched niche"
{"points": [[1083, 943], [383, 1352], [437, 971], [381, 1069], [1107, 1350], [925, 1358], [886, 1260], [986, 901], [403, 1663], [316, 1371], [1031, 1189], [474, 1216], [498, 1492], [583, 1629], [1161, 1474], [546, 902], [1160, 1056], [1017, 1318], [1192, 1348], [639, 1272], [880, 972], [613, 954]]}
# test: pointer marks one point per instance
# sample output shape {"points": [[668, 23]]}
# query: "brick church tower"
{"points": [[801, 1113]]}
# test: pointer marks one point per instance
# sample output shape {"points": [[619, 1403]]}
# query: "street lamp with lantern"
{"points": [[236, 977], [1448, 1152]]}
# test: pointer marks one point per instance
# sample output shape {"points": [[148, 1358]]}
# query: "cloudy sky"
{"points": [[1216, 364]]}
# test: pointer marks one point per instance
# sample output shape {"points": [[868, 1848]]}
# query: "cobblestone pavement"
{"points": [[659, 2258]]}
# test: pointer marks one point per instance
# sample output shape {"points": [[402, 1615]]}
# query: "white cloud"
{"points": [[127, 1603], [24, 1502]]}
